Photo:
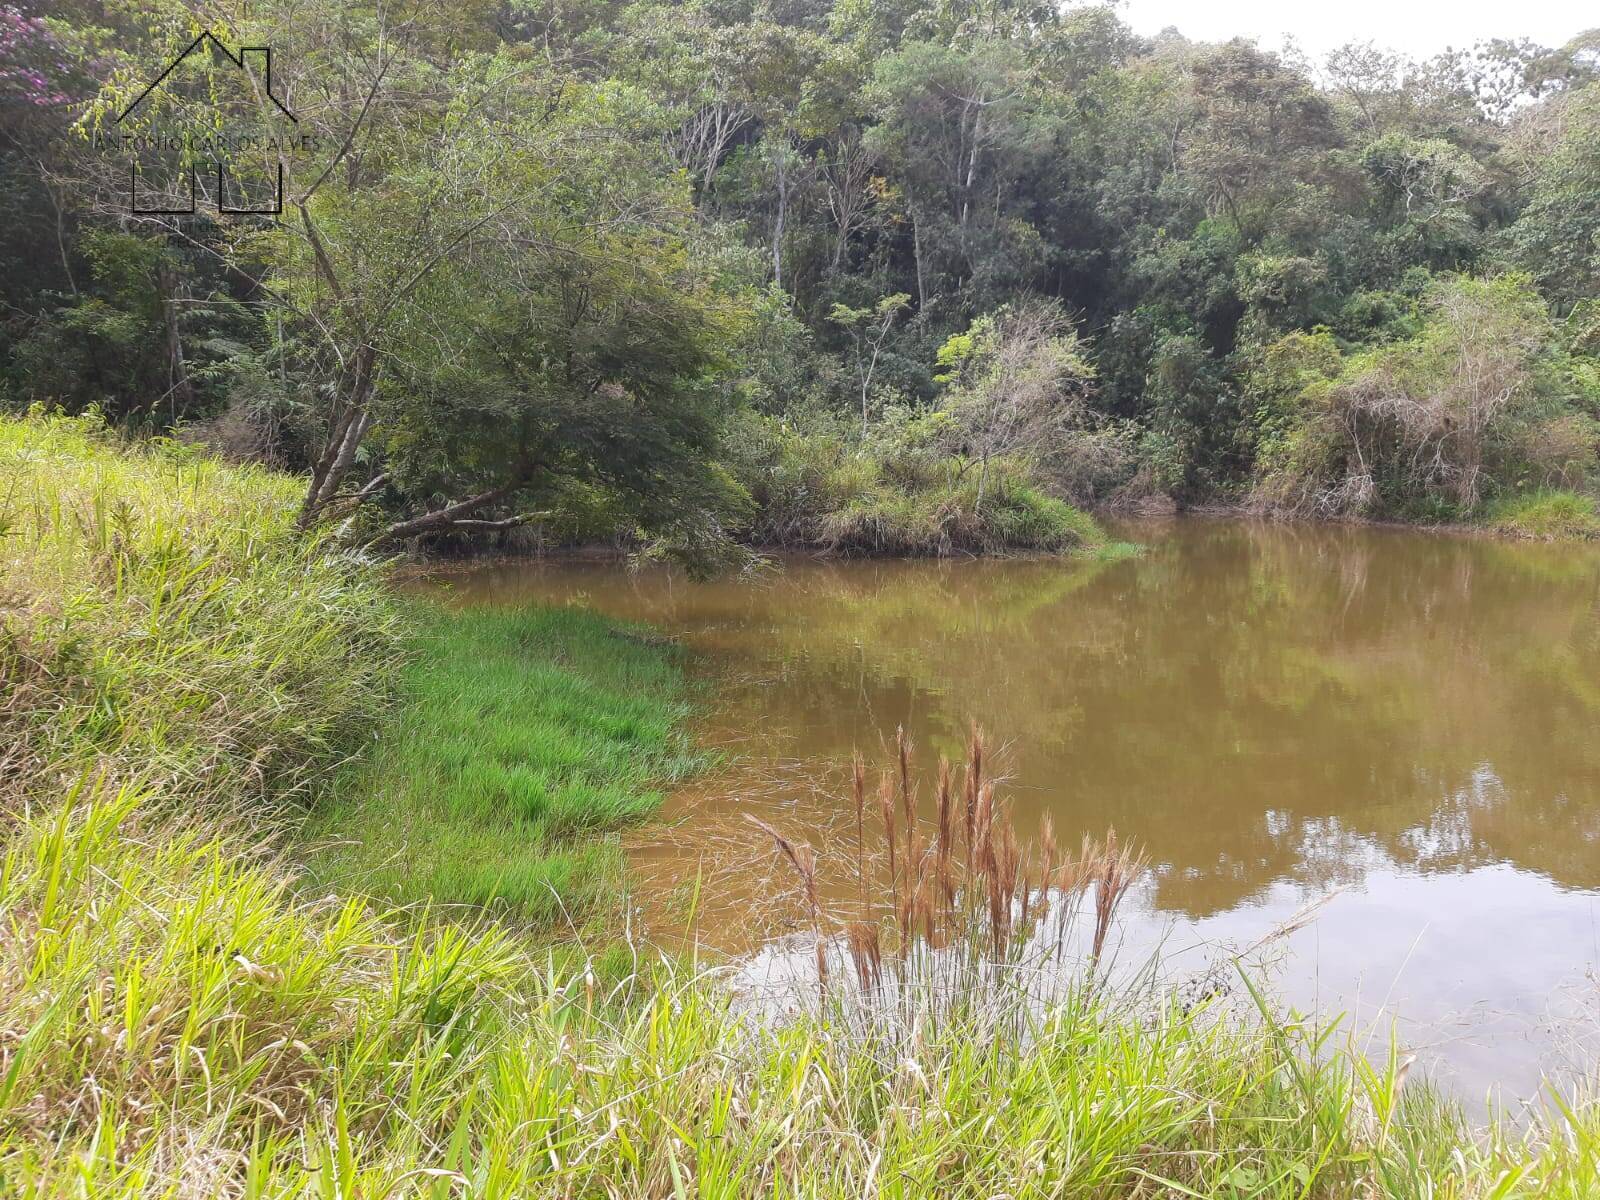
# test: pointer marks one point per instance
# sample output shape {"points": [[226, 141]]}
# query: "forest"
{"points": [[911, 276]]}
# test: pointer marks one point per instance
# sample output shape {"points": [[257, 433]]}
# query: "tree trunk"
{"points": [[783, 210], [457, 514], [864, 376], [916, 248], [972, 175], [348, 426], [180, 390]]}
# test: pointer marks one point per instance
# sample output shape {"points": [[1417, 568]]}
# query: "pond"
{"points": [[1404, 724]]}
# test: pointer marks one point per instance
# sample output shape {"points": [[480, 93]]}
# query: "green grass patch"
{"points": [[525, 737], [1546, 516], [1118, 551]]}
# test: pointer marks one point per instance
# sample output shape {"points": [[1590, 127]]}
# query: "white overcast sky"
{"points": [[1420, 29]]}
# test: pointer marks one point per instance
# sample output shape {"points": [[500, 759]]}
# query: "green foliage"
{"points": [[524, 736], [1281, 384], [953, 124], [1557, 237], [1193, 413], [1429, 194], [567, 247], [1262, 134], [104, 348], [1016, 388]]}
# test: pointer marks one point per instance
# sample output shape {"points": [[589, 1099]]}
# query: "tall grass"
{"points": [[1546, 516], [162, 622], [526, 736], [958, 921], [959, 879], [175, 1022], [166, 994]]}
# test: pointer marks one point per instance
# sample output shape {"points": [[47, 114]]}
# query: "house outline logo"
{"points": [[222, 208]]}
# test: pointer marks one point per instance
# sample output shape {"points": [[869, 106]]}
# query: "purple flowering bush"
{"points": [[36, 68]]}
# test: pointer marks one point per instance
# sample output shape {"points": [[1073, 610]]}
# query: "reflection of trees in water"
{"points": [[1254, 703], [1414, 693], [1429, 701]]}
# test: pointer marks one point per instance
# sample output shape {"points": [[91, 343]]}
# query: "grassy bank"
{"points": [[525, 737], [162, 624], [180, 1018], [1549, 516], [824, 491]]}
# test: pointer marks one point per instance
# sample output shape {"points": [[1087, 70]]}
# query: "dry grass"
{"points": [[965, 867], [959, 916]]}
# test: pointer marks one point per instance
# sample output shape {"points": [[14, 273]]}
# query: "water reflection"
{"points": [[1271, 711]]}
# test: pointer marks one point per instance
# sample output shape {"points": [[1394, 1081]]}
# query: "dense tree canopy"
{"points": [[625, 267]]}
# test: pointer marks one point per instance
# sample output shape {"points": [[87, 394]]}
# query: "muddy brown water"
{"points": [[1404, 721]]}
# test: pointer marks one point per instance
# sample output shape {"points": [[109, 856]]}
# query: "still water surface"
{"points": [[1409, 722]]}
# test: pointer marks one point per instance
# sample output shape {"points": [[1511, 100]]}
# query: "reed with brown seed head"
{"points": [[858, 787], [804, 861], [886, 806], [866, 952], [944, 810], [993, 906], [974, 783]]}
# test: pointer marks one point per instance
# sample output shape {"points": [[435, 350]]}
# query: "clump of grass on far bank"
{"points": [[526, 735], [899, 494], [941, 521], [1546, 516], [161, 621]]}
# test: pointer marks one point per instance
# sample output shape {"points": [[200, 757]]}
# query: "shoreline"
{"points": [[418, 566]]}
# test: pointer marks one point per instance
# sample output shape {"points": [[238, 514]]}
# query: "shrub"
{"points": [[949, 519], [1481, 398], [900, 493]]}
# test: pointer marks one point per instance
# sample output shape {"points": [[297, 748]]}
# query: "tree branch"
{"points": [[454, 515], [508, 523]]}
